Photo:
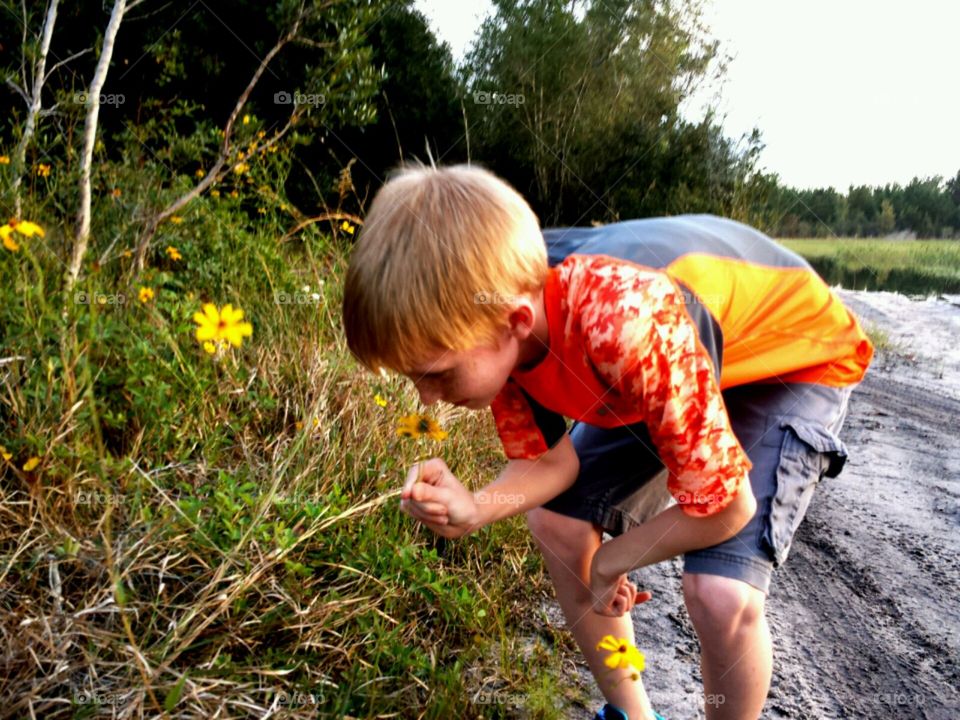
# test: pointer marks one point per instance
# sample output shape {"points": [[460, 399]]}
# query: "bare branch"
{"points": [[64, 62], [219, 168]]}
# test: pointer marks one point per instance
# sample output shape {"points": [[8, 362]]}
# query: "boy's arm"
{"points": [[436, 498], [527, 484], [671, 533]]}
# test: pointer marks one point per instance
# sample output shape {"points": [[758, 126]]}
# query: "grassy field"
{"points": [[219, 534], [914, 267]]}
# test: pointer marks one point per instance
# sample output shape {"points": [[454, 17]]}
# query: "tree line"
{"points": [[575, 102]]}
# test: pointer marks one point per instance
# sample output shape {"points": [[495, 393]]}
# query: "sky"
{"points": [[843, 91]]}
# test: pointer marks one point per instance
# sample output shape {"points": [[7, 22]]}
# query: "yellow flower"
{"points": [[215, 193], [4, 454], [25, 228], [199, 173], [4, 160], [43, 170], [416, 426], [622, 654], [127, 253], [145, 294], [347, 227], [246, 119], [234, 193], [31, 464], [240, 168], [116, 192], [176, 219], [380, 400], [261, 134], [209, 347], [222, 325], [272, 149], [262, 210], [173, 253]]}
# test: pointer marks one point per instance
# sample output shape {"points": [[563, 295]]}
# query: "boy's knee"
{"points": [[721, 606], [560, 535]]}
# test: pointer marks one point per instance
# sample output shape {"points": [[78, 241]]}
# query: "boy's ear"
{"points": [[522, 317]]}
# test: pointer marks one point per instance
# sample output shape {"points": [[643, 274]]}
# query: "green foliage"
{"points": [[925, 208], [577, 104]]}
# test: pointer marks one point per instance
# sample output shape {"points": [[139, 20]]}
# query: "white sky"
{"points": [[843, 91]]}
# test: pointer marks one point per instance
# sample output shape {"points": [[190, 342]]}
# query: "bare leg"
{"points": [[736, 652], [568, 546]]}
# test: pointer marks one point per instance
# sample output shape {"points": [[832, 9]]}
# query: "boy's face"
{"points": [[470, 378]]}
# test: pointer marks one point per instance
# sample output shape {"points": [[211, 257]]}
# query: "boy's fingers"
{"points": [[642, 596], [426, 472], [423, 493]]}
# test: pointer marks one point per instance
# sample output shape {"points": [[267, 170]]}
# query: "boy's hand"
{"points": [[616, 597], [439, 500]]}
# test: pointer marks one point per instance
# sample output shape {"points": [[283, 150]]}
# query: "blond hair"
{"points": [[442, 252]]}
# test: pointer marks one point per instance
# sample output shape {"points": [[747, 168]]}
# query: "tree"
{"points": [[887, 220], [577, 104]]}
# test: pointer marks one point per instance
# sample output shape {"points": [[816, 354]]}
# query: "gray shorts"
{"points": [[789, 431]]}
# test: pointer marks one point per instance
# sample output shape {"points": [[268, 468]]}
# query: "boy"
{"points": [[647, 333]]}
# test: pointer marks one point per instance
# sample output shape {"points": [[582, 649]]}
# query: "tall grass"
{"points": [[910, 266], [212, 537]]}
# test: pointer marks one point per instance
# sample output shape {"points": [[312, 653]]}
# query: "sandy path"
{"points": [[866, 612]]}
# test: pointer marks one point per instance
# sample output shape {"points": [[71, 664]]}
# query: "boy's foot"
{"points": [[611, 712]]}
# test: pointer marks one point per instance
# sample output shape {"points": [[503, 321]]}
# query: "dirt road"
{"points": [[865, 614]]}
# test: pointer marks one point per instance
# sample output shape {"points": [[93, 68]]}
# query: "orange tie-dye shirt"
{"points": [[624, 350]]}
